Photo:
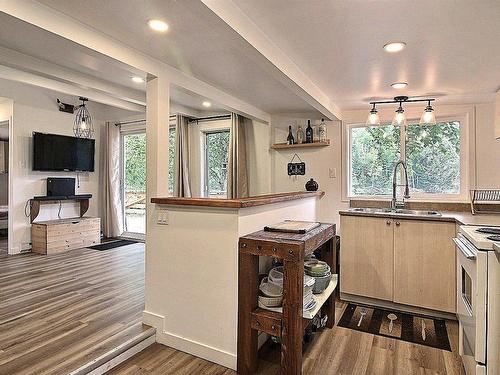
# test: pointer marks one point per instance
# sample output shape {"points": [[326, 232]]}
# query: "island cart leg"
{"points": [[329, 255], [292, 331], [248, 273]]}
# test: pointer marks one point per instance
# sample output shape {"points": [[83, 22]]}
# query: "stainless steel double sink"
{"points": [[397, 211]]}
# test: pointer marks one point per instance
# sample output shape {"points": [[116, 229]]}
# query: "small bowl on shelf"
{"points": [[322, 283], [270, 289], [271, 301]]}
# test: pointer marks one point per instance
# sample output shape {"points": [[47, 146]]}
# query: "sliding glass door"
{"points": [[134, 182]]}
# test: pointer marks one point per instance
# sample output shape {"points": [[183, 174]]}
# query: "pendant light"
{"points": [[428, 117], [373, 117], [399, 117], [83, 127]]}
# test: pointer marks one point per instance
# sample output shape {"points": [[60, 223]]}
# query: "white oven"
{"points": [[472, 297]]}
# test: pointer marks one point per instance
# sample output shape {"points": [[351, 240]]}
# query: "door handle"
{"points": [[388, 222], [464, 249], [398, 223]]}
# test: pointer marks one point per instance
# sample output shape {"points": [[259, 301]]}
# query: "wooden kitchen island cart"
{"points": [[291, 249]]}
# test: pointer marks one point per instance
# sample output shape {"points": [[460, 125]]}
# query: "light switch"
{"points": [[162, 218], [332, 172]]}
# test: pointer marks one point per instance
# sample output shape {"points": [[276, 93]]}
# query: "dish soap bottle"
{"points": [[300, 135], [309, 132], [322, 131], [290, 140]]}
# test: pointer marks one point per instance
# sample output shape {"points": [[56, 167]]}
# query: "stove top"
{"points": [[483, 238]]}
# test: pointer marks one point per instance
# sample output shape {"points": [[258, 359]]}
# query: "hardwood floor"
{"points": [[3, 246], [337, 351], [59, 311]]}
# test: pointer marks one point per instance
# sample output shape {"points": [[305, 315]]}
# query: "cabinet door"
{"points": [[366, 257], [424, 264]]}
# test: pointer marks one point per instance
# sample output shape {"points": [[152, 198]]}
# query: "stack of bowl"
{"points": [[271, 290], [321, 273]]}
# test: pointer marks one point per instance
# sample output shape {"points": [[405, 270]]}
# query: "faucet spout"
{"points": [[394, 203]]}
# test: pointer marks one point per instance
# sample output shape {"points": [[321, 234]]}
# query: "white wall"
{"points": [[35, 109], [318, 162], [487, 148]]}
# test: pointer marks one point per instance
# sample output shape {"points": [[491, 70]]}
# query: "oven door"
{"points": [[471, 303]]}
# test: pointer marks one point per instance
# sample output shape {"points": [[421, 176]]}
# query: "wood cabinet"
{"points": [[424, 264], [367, 256], [410, 262], [49, 237], [4, 157]]}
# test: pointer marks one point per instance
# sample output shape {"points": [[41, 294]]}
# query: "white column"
{"points": [[157, 124]]}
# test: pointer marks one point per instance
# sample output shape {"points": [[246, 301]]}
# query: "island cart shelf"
{"points": [[289, 325]]}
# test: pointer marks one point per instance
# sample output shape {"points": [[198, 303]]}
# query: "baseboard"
{"points": [[396, 306], [114, 357], [186, 345]]}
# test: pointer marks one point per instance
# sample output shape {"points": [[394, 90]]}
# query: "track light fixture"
{"points": [[427, 118], [373, 117]]}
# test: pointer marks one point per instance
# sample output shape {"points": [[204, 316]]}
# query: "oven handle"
{"points": [[466, 251]]}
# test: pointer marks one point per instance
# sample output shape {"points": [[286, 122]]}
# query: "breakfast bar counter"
{"points": [[192, 266]]}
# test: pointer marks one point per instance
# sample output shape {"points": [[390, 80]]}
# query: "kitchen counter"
{"points": [[461, 218]]}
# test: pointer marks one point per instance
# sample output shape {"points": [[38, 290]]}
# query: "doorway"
{"points": [[134, 183], [4, 186]]}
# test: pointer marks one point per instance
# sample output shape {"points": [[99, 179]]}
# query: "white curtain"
{"points": [[182, 187], [111, 202], [237, 177]]}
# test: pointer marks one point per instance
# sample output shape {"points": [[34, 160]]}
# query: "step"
{"points": [[119, 354]]}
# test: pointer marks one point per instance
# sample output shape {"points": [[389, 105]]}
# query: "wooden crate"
{"points": [[54, 236]]}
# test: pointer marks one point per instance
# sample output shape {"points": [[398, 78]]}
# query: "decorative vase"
{"points": [[311, 185]]}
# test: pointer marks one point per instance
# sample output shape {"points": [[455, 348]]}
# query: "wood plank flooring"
{"points": [[59, 311], [338, 351]]}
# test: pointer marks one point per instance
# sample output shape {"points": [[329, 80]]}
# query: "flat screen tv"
{"points": [[53, 152]]}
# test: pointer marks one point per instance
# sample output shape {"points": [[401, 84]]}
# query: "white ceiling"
{"points": [[31, 40], [453, 46], [198, 42]]}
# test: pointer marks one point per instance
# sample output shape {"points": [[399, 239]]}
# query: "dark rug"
{"points": [[407, 327], [112, 245]]}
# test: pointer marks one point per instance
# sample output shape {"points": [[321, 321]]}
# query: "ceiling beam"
{"points": [[297, 81], [29, 64], [60, 24]]}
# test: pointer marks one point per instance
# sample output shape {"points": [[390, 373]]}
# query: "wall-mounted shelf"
{"points": [[282, 146]]}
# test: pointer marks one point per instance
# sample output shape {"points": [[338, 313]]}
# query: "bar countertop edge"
{"points": [[259, 200]]}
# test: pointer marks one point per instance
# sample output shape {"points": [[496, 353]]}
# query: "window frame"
{"points": [[205, 134], [466, 175]]}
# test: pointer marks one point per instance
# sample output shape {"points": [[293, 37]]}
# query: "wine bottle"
{"points": [[290, 140], [309, 132], [300, 135]]}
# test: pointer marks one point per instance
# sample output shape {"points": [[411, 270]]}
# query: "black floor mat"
{"points": [[407, 327], [112, 245]]}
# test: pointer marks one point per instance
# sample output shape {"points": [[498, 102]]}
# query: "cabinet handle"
{"points": [[398, 223], [388, 222]]}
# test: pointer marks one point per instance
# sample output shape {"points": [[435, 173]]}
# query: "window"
{"points": [[216, 157], [171, 156], [134, 182], [433, 154]]}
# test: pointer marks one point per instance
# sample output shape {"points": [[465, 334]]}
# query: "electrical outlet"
{"points": [[332, 172], [162, 218]]}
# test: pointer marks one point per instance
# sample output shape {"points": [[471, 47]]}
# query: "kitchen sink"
{"points": [[398, 211]]}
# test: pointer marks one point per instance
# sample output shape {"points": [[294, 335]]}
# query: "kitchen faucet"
{"points": [[394, 203]]}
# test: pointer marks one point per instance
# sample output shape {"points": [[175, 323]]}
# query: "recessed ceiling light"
{"points": [[394, 47], [206, 104], [399, 85], [158, 25], [137, 79]]}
